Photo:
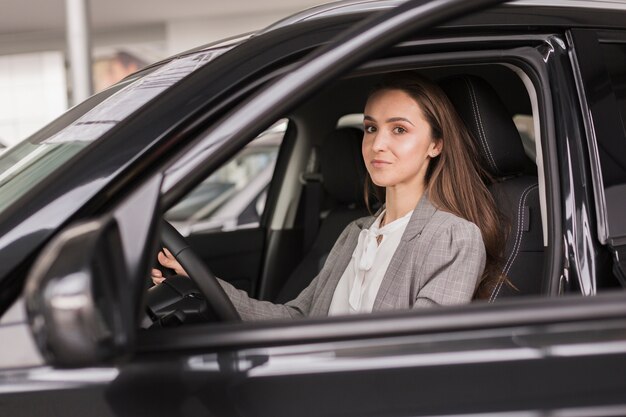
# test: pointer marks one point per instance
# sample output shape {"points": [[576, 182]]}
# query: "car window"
{"points": [[612, 150], [234, 196], [526, 126], [25, 165]]}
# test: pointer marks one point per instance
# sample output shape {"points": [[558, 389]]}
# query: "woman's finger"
{"points": [[165, 260], [156, 280], [169, 254]]}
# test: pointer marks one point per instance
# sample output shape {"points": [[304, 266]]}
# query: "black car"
{"points": [[542, 85]]}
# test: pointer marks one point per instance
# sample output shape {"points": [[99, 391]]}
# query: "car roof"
{"points": [[550, 13], [541, 8], [587, 4]]}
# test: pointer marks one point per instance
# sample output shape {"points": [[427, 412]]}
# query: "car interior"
{"points": [[317, 186]]}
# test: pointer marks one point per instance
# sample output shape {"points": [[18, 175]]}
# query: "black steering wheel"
{"points": [[201, 275]]}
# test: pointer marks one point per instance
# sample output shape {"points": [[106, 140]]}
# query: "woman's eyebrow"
{"points": [[391, 120], [399, 119]]}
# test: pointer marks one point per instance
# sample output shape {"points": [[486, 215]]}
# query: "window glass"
{"points": [[525, 125], [612, 151], [28, 163], [233, 197]]}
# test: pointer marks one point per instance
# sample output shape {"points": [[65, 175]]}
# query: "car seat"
{"points": [[515, 191], [342, 178]]}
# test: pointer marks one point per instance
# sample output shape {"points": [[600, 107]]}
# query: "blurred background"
{"points": [[55, 53]]}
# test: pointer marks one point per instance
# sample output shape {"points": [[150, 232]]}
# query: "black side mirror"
{"points": [[76, 299]]}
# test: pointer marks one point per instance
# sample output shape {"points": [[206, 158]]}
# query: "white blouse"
{"points": [[359, 284]]}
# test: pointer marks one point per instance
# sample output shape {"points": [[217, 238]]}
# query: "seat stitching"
{"points": [[520, 218], [474, 110], [481, 129], [518, 240], [496, 290]]}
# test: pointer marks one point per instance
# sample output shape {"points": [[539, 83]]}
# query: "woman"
{"points": [[437, 239]]}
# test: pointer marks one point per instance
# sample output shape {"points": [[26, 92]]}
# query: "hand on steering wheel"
{"points": [[167, 260], [199, 273]]}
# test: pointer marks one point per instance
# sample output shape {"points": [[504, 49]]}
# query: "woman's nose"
{"points": [[380, 142]]}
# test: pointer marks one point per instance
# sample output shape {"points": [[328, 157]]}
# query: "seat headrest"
{"points": [[342, 167], [489, 122]]}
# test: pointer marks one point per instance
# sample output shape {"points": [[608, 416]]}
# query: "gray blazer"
{"points": [[439, 261]]}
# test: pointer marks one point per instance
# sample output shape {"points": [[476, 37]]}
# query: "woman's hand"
{"points": [[157, 276], [167, 260]]}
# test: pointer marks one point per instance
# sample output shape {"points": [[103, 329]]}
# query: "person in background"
{"points": [[108, 71]]}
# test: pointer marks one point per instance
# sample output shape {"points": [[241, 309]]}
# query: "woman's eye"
{"points": [[399, 130], [370, 129]]}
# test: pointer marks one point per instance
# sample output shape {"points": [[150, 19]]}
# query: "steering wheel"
{"points": [[199, 273]]}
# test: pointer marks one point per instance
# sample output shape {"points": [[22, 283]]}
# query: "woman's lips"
{"points": [[379, 163]]}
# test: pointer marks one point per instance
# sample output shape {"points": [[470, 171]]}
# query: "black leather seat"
{"points": [[516, 192], [343, 177]]}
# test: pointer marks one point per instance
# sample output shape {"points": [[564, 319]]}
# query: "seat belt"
{"points": [[312, 182]]}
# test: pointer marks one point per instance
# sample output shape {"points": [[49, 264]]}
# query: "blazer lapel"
{"points": [[387, 296]]}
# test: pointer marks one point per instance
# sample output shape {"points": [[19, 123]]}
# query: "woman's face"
{"points": [[397, 142]]}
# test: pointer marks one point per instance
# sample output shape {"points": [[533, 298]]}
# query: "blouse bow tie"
{"points": [[368, 243], [365, 254]]}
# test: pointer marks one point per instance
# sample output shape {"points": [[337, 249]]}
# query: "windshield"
{"points": [[28, 163]]}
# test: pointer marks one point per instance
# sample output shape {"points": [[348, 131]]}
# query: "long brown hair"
{"points": [[455, 179]]}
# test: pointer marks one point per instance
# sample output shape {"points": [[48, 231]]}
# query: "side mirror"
{"points": [[75, 298]]}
